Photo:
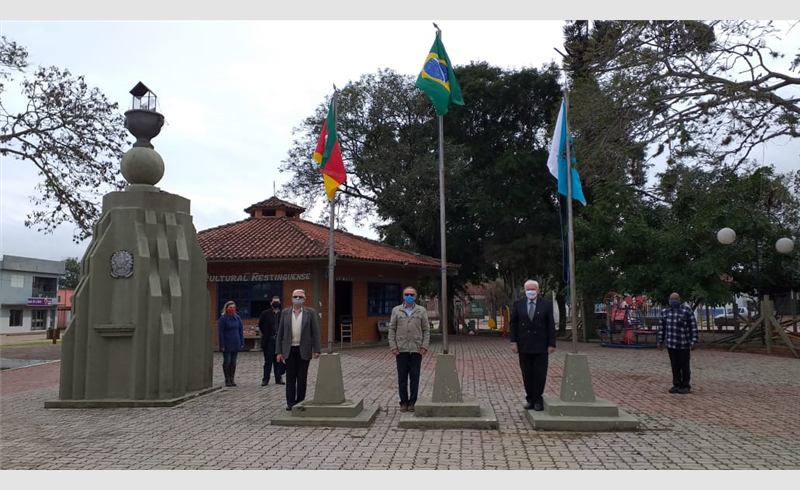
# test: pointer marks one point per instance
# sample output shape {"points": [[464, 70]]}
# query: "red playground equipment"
{"points": [[627, 326]]}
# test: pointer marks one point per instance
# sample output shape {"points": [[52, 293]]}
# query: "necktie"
{"points": [[531, 309]]}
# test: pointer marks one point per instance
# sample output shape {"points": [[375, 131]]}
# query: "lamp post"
{"points": [[727, 236]]}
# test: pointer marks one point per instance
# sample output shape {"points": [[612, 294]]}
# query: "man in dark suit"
{"points": [[268, 325], [298, 341], [533, 337]]}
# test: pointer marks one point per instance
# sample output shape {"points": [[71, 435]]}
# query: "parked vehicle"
{"points": [[729, 319]]}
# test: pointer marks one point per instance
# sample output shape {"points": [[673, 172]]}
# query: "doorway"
{"points": [[344, 305]]}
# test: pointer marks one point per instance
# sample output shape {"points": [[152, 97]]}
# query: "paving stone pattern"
{"points": [[743, 414]]}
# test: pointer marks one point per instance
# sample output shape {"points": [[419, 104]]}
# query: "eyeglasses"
{"points": [[298, 297]]}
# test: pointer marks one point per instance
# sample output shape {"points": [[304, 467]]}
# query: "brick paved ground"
{"points": [[743, 414]]}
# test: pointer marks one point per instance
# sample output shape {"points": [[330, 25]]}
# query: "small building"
{"points": [[28, 293], [274, 251]]}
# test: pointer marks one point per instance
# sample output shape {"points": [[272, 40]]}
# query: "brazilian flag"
{"points": [[437, 79]]}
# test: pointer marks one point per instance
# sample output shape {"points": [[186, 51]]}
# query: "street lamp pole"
{"points": [[766, 320]]}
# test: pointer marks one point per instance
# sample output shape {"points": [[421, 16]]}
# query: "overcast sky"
{"points": [[231, 93]]}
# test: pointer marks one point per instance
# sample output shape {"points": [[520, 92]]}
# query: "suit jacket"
{"points": [[268, 325], [533, 337], [310, 336]]}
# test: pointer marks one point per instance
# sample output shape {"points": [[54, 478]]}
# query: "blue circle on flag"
{"points": [[436, 69]]}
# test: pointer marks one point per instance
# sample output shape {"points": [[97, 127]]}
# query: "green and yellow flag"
{"points": [[437, 79]]}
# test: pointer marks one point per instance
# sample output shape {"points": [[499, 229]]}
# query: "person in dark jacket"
{"points": [[231, 340], [409, 339], [533, 336], [268, 325], [678, 330], [299, 340]]}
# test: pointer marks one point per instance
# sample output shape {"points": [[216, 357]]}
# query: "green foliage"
{"points": [[72, 274], [498, 190]]}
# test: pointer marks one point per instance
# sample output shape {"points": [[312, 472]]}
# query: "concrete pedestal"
{"points": [[139, 335], [577, 408], [329, 408], [448, 408]]}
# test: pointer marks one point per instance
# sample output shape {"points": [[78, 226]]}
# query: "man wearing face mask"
{"points": [[268, 325], [532, 331], [298, 341], [678, 330], [409, 339]]}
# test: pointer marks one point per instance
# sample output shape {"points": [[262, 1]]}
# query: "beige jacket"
{"points": [[409, 334]]}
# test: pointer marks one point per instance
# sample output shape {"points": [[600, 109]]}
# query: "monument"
{"points": [[139, 334]]}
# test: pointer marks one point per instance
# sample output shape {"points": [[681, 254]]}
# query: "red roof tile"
{"points": [[274, 203], [292, 238]]}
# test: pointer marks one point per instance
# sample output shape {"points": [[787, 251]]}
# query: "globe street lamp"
{"points": [[727, 236]]}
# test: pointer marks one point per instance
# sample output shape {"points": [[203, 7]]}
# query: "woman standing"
{"points": [[231, 340]]}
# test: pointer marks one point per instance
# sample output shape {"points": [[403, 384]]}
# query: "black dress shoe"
{"points": [[684, 391], [529, 406], [288, 408], [264, 383], [674, 389], [279, 382], [538, 407]]}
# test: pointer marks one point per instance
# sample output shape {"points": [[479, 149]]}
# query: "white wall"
{"points": [[5, 318]]}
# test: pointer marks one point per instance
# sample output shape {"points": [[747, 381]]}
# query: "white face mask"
{"points": [[531, 294], [298, 301]]}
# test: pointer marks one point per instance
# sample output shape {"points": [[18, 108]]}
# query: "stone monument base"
{"points": [[468, 414], [599, 415], [128, 403], [349, 413]]}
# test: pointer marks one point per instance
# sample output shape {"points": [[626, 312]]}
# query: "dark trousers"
{"points": [[229, 357], [681, 372], [534, 375], [296, 377], [408, 367], [270, 364]]}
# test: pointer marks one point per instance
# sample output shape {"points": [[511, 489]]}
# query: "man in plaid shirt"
{"points": [[678, 330]]}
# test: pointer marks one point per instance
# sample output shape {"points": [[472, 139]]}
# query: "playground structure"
{"points": [[625, 323]]}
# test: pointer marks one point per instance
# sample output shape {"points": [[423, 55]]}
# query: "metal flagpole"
{"points": [[443, 313], [331, 258], [571, 233]]}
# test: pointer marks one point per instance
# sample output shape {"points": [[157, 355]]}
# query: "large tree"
{"points": [[71, 133], [498, 190], [72, 273], [708, 89]]}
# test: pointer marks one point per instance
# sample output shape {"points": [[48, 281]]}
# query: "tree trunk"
{"points": [[562, 315], [587, 302], [452, 327]]}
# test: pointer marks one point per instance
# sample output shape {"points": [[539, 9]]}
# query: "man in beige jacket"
{"points": [[409, 339]]}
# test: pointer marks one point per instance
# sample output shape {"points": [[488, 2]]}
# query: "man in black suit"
{"points": [[298, 342], [533, 337], [268, 325]]}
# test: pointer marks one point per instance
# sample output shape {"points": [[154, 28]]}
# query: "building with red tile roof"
{"points": [[274, 251]]}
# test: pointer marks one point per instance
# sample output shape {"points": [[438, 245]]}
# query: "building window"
{"points": [[17, 281], [251, 298], [38, 319], [381, 298], [44, 287], [15, 318]]}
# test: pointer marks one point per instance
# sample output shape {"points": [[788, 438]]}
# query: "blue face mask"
{"points": [[409, 298], [675, 303]]}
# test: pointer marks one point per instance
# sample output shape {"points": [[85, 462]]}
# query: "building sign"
{"points": [[254, 276], [40, 301]]}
